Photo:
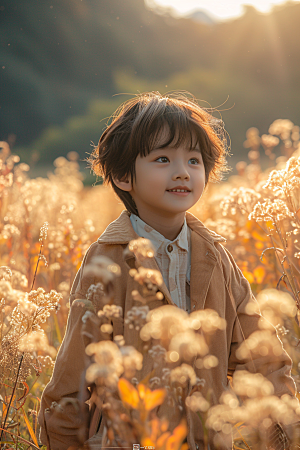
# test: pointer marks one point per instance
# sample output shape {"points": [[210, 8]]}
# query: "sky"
{"points": [[219, 9]]}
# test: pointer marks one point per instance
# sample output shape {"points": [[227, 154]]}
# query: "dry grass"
{"points": [[47, 225]]}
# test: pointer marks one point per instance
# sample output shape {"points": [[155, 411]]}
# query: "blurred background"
{"points": [[66, 66]]}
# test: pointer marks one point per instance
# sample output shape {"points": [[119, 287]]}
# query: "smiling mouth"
{"points": [[178, 190], [180, 193]]}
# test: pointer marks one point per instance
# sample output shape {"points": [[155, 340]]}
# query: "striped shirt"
{"points": [[173, 259]]}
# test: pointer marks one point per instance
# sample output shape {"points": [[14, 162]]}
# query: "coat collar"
{"points": [[120, 231], [204, 256]]}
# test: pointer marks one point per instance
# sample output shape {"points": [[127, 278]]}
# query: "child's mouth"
{"points": [[180, 193]]}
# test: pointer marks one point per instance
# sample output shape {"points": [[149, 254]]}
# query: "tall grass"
{"points": [[46, 226]]}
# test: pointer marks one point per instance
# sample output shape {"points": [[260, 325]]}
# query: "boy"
{"points": [[159, 153]]}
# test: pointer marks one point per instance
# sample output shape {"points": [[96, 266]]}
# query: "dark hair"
{"points": [[136, 126]]}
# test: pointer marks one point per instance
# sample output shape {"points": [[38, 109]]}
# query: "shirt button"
{"points": [[170, 248], [194, 306], [197, 446]]}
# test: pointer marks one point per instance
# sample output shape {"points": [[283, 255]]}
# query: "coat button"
{"points": [[197, 446], [170, 248], [194, 306]]}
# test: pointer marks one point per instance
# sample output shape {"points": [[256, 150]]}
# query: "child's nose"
{"points": [[183, 177], [181, 172]]}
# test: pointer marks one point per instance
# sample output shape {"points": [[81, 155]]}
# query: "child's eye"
{"points": [[162, 157], [195, 159]]}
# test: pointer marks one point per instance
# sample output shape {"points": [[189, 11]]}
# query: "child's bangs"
{"points": [[173, 128]]}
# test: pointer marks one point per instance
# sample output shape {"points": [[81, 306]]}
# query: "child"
{"points": [[159, 153]]}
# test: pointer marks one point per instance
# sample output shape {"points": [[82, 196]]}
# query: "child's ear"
{"points": [[124, 184]]}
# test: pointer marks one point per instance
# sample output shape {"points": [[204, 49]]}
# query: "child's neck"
{"points": [[169, 227]]}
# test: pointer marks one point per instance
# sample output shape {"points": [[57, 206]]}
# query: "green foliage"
{"points": [[237, 101], [79, 133], [59, 58]]}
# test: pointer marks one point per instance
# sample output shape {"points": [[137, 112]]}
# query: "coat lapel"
{"points": [[204, 256], [203, 262], [120, 231]]}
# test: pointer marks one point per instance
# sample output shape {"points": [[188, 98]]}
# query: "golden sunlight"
{"points": [[214, 8]]}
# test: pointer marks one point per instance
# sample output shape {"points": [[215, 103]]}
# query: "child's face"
{"points": [[165, 169]]}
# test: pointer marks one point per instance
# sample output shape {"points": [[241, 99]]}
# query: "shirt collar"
{"points": [[120, 231], [146, 231]]}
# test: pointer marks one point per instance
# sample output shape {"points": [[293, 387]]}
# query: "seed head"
{"points": [[271, 211], [183, 374], [142, 249], [43, 232]]}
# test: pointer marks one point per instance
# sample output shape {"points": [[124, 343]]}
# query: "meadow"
{"points": [[46, 226]]}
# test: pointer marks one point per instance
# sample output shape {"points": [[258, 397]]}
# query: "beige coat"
{"points": [[216, 283]]}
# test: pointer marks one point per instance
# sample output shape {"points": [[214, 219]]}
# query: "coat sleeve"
{"points": [[276, 367], [62, 423]]}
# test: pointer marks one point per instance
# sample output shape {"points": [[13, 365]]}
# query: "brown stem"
{"points": [[37, 265], [288, 260], [17, 441], [11, 397], [295, 293], [22, 439], [26, 237], [293, 207]]}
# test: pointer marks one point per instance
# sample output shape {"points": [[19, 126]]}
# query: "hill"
{"points": [[58, 58]]}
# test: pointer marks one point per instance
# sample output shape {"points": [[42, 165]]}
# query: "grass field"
{"points": [[47, 224]]}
